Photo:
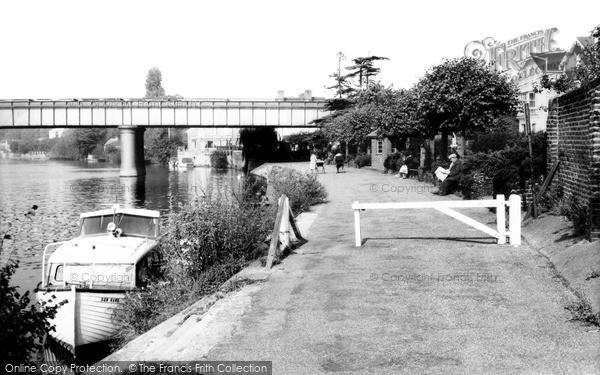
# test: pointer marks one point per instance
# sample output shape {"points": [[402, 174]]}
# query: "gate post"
{"points": [[358, 240], [514, 219], [501, 219]]}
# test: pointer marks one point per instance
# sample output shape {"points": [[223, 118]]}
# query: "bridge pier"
{"points": [[132, 151]]}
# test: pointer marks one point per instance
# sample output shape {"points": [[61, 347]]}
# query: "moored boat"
{"points": [[114, 252]]}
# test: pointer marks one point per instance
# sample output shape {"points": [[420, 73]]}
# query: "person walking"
{"points": [[339, 161]]}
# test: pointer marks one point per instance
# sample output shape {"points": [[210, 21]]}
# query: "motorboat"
{"points": [[115, 252], [185, 162], [181, 163]]}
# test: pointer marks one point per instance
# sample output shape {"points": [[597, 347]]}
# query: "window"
{"points": [[379, 146], [58, 273], [533, 127], [531, 100]]}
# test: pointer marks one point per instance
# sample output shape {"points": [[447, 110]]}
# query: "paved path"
{"points": [[424, 294]]}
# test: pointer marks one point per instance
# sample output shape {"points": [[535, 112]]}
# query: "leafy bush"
{"points": [[493, 141], [218, 159], [363, 160], [510, 168], [203, 247], [24, 324], [302, 189]]}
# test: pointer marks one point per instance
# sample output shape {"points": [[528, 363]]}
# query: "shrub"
{"points": [[218, 159], [203, 247], [574, 209], [302, 189], [363, 160], [24, 324], [391, 162]]}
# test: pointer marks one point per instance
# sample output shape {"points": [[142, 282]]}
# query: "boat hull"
{"points": [[86, 317]]}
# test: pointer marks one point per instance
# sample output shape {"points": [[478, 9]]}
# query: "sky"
{"points": [[250, 49]]}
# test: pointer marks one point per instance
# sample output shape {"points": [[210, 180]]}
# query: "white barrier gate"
{"points": [[514, 215]]}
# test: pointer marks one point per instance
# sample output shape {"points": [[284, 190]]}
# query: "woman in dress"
{"points": [[313, 162]]}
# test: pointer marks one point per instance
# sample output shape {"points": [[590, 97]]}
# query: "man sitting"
{"points": [[453, 175]]}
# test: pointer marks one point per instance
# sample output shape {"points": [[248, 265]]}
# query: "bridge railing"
{"points": [[154, 113]]}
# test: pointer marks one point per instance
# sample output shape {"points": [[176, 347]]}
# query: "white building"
{"points": [[525, 59], [56, 132]]}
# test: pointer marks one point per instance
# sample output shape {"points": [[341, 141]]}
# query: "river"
{"points": [[62, 190]]}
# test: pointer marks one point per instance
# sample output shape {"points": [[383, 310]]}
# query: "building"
{"points": [[56, 132], [525, 59]]}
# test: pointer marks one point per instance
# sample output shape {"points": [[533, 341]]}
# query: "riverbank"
{"points": [[423, 294]]}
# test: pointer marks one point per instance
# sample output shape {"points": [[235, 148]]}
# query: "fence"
{"points": [[513, 203]]}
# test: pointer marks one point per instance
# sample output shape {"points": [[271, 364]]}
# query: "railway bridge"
{"points": [[133, 116]]}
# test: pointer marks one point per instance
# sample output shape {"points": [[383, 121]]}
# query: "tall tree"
{"points": [[463, 96], [364, 68], [154, 89]]}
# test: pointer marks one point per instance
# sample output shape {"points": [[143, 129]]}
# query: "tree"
{"points": [[154, 89], [159, 147], [160, 144], [364, 68], [346, 124], [463, 96], [87, 139]]}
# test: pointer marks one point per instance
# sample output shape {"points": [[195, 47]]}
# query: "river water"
{"points": [[63, 190]]}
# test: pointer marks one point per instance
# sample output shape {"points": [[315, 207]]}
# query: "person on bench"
{"points": [[453, 175], [403, 173]]}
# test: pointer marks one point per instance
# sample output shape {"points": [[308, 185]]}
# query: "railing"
{"points": [[513, 203]]}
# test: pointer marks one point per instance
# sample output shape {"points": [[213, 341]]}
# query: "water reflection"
{"points": [[63, 190], [134, 191]]}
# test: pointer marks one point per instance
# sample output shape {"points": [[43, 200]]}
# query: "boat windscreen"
{"points": [[131, 225]]}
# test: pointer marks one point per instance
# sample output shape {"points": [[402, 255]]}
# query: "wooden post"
{"points": [[275, 234], [501, 219], [284, 229], [514, 219], [544, 187], [294, 226], [357, 225]]}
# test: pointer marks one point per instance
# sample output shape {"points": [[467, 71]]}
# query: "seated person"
{"points": [[339, 161], [403, 173], [453, 175]]}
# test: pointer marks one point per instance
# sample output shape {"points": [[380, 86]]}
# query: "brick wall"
{"points": [[378, 159], [573, 130]]}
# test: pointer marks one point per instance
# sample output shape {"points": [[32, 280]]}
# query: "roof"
{"points": [[127, 211], [103, 249], [374, 134]]}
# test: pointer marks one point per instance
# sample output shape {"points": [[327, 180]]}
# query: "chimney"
{"points": [[280, 95]]}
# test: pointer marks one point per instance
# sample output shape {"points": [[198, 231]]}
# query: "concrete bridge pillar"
{"points": [[132, 151]]}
